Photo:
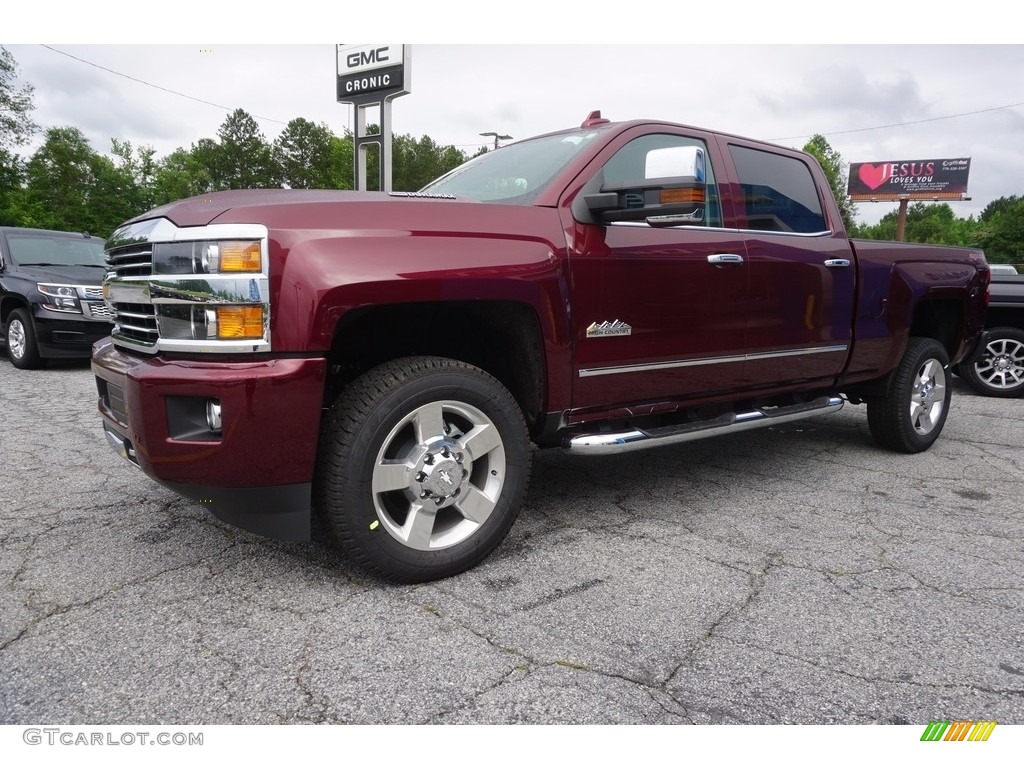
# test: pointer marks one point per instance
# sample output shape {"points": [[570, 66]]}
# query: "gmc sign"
{"points": [[372, 71]]}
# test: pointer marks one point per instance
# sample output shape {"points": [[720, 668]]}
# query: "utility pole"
{"points": [[496, 136]]}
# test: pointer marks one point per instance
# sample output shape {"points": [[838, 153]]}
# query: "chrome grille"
{"points": [[159, 308], [132, 260], [91, 291], [97, 310], [136, 322]]}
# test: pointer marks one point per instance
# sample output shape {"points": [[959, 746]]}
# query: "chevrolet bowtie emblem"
{"points": [[614, 328]]}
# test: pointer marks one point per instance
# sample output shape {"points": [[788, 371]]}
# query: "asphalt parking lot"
{"points": [[791, 575]]}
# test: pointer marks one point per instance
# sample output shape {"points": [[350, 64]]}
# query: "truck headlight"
{"points": [[207, 257], [60, 298]]}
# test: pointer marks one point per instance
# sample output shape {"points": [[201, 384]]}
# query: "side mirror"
{"points": [[672, 191]]}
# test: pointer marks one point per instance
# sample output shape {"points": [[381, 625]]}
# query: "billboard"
{"points": [[910, 179], [372, 71]]}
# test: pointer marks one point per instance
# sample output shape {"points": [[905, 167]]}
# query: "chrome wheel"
{"points": [[16, 339], [928, 397], [438, 475], [21, 340], [422, 468], [908, 415], [1001, 366]]}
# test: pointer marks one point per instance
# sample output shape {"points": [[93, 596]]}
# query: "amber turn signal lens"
{"points": [[240, 322], [240, 256], [682, 196]]}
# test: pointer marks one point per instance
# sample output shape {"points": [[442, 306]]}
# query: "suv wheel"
{"points": [[21, 340]]}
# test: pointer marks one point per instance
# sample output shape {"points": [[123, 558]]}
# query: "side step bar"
{"points": [[637, 439]]}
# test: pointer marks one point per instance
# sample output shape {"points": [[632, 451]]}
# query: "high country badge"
{"points": [[614, 328]]}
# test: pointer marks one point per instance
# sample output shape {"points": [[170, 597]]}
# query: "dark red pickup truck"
{"points": [[386, 360]]}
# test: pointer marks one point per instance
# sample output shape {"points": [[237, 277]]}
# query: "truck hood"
{"points": [[205, 209]]}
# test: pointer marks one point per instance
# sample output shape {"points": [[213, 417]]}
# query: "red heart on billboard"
{"points": [[874, 176]]}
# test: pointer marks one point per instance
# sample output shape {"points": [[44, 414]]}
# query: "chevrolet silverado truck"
{"points": [[997, 368], [386, 362]]}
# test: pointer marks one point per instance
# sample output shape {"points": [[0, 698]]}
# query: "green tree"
{"points": [[836, 171], [1002, 236], [341, 153], [302, 153], [179, 175], [12, 171], [999, 205], [417, 162], [243, 159], [69, 186], [136, 170], [16, 126], [934, 223]]}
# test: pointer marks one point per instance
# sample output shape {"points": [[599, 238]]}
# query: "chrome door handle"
{"points": [[725, 258], [833, 263]]}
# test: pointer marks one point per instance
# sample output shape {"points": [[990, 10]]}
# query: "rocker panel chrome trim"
{"points": [[668, 364]]}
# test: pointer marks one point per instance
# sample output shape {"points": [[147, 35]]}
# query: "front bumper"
{"points": [[256, 472], [67, 335]]}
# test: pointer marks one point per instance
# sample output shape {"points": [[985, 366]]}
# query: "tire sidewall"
{"points": [[28, 358], [931, 350], [969, 372], [351, 511]]}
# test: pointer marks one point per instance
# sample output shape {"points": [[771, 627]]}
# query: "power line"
{"points": [[158, 87], [909, 122]]}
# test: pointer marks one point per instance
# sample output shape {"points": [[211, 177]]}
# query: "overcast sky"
{"points": [[872, 102]]}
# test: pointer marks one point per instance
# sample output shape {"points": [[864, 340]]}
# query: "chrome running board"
{"points": [[637, 439]]}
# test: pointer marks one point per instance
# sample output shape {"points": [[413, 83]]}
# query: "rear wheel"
{"points": [[998, 369], [21, 340], [910, 415], [423, 466]]}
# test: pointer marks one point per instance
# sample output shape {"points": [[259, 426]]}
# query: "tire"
{"points": [[910, 415], [21, 340], [997, 370], [423, 465]]}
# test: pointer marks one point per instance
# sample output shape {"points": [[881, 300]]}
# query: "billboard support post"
{"points": [[370, 75], [901, 220]]}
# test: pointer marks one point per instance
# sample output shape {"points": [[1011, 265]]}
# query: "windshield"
{"points": [[512, 174], [72, 251]]}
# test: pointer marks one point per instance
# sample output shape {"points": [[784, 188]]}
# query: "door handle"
{"points": [[725, 258], [833, 263]]}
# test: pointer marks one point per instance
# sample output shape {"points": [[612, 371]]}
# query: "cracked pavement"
{"points": [[796, 574]]}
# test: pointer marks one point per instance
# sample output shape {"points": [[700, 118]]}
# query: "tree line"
{"points": [[65, 184]]}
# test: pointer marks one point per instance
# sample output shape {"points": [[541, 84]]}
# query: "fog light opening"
{"points": [[213, 415]]}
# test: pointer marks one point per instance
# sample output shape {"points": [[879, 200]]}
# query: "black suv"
{"points": [[51, 298]]}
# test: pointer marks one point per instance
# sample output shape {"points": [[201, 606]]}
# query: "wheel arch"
{"points": [[503, 338]]}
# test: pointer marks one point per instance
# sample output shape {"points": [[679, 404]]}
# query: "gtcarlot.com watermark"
{"points": [[70, 737]]}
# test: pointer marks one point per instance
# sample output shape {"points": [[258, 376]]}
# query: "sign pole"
{"points": [[901, 220], [370, 75]]}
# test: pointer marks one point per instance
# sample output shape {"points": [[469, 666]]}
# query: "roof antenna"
{"points": [[594, 118]]}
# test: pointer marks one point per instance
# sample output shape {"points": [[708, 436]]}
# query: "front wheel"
{"points": [[21, 340], [422, 468], [910, 415], [998, 369]]}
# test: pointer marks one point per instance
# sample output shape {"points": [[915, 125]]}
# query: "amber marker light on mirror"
{"points": [[682, 196], [240, 256], [244, 322]]}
